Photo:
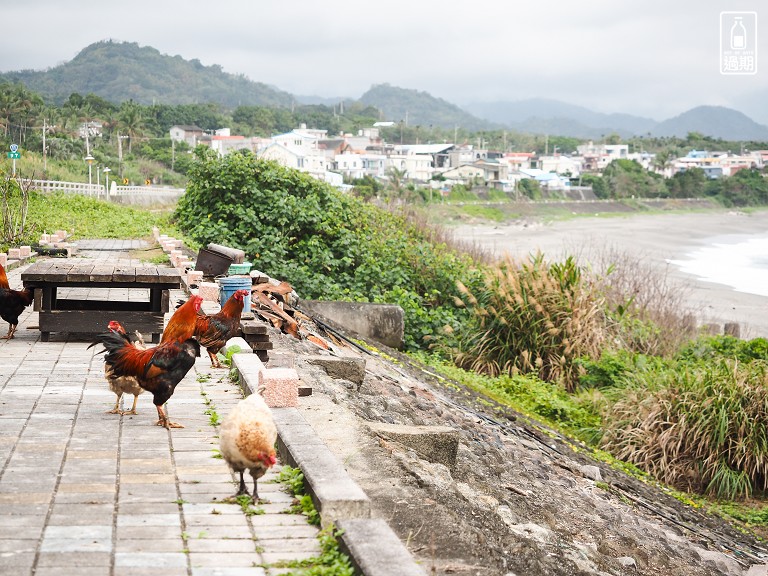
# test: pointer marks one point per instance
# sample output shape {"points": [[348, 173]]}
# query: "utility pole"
{"points": [[119, 155], [45, 158]]}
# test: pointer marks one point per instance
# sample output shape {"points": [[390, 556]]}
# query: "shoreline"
{"points": [[655, 239]]}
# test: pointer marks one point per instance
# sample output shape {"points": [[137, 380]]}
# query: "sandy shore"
{"points": [[656, 239]]}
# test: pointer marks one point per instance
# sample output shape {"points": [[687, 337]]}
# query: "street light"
{"points": [[106, 179], [90, 160]]}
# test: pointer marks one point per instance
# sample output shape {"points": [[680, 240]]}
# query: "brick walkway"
{"points": [[87, 493]]}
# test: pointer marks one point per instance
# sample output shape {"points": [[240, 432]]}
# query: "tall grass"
{"points": [[697, 426], [532, 317]]}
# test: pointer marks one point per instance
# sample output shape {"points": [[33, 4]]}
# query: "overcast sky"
{"points": [[654, 58]]}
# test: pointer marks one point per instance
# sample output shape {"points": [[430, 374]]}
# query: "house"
{"points": [[439, 154], [189, 134], [89, 129], [598, 156]]}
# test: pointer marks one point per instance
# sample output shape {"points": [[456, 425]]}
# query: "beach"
{"points": [[665, 241]]}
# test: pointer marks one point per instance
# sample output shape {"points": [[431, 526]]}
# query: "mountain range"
{"points": [[119, 71]]}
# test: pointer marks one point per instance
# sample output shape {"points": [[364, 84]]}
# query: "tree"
{"points": [[131, 121]]}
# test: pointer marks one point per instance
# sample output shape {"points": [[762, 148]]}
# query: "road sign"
{"points": [[14, 155], [14, 147]]}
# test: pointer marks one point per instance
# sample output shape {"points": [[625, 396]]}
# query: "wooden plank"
{"points": [[168, 276], [260, 346], [37, 271], [102, 273], [146, 274], [253, 327], [58, 272], [95, 321], [80, 272], [110, 306], [124, 274], [38, 302]]}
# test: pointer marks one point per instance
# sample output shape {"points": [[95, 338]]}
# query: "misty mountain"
{"points": [[545, 116], [715, 121], [421, 109], [120, 71]]}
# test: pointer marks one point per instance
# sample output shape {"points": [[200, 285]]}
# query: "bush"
{"points": [[533, 317], [327, 244], [696, 426]]}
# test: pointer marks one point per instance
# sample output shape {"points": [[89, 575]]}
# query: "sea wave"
{"points": [[740, 264]]}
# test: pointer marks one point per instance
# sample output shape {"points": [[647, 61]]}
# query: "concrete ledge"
{"points": [[346, 368], [375, 550], [438, 444], [333, 492], [384, 323]]}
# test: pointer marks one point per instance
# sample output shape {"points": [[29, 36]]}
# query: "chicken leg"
{"points": [[163, 421], [11, 332], [133, 408], [214, 360]]}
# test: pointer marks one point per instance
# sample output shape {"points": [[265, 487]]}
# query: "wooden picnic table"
{"points": [[92, 294]]}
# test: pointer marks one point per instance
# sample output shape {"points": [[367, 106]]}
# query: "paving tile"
{"points": [[150, 545], [225, 559], [156, 560], [74, 559]]}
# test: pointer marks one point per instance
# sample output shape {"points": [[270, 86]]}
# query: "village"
{"points": [[346, 157]]}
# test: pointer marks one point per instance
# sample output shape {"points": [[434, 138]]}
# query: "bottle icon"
{"points": [[738, 35]]}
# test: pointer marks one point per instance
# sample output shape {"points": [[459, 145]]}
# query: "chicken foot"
{"points": [[116, 409], [11, 332], [163, 421], [133, 408], [243, 491], [214, 360]]}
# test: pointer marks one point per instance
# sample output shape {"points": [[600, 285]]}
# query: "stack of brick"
{"points": [[255, 334]]}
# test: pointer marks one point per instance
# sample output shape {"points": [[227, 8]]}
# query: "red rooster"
{"points": [[3, 278], [12, 303], [214, 330], [181, 326], [161, 368], [157, 369]]}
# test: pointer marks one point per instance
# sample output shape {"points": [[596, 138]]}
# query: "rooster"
{"points": [[247, 440], [157, 369], [12, 303], [181, 326], [125, 384], [214, 330]]}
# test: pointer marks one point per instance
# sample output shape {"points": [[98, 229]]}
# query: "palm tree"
{"points": [[131, 122]]}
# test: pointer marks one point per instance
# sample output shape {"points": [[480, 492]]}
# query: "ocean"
{"points": [[738, 261]]}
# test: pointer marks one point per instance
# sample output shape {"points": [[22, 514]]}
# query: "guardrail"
{"points": [[120, 194]]}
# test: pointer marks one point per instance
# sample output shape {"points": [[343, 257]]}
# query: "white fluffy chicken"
{"points": [[247, 440]]}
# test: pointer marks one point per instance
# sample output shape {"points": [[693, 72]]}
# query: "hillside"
{"points": [[120, 71], [421, 109], [715, 121], [546, 116]]}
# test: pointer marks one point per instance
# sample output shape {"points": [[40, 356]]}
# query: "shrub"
{"points": [[327, 244], [696, 426], [532, 317]]}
